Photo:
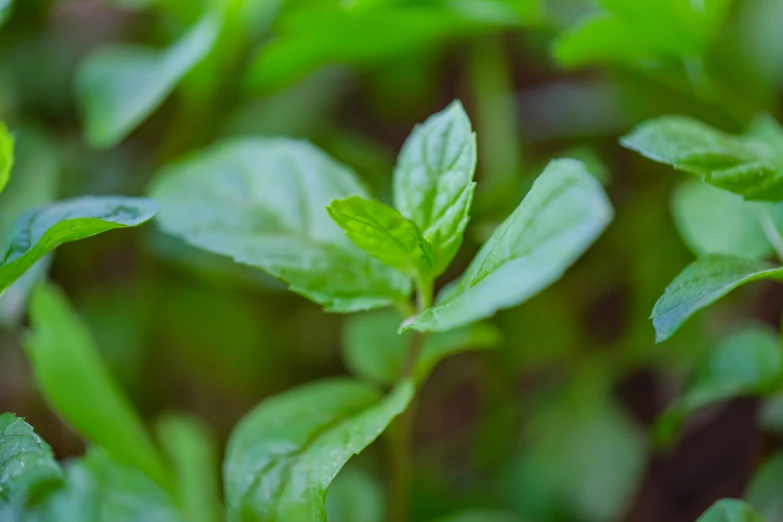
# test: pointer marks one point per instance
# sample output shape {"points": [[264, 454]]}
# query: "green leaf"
{"points": [[382, 232], [748, 165], [481, 516], [76, 383], [28, 470], [583, 459], [263, 203], [763, 492], [314, 36], [100, 489], [39, 231], [747, 362], [564, 212], [192, 450], [433, 180], [641, 32], [702, 283], [355, 496], [374, 350], [283, 455], [715, 221], [6, 153], [730, 510], [118, 86], [35, 182]]}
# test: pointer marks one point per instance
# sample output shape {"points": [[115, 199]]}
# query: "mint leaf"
{"points": [[6, 154], [76, 383], [715, 221], [99, 488], [763, 492], [263, 203], [564, 212], [283, 455], [382, 232], [749, 361], [730, 510], [702, 283], [191, 449], [374, 350], [748, 165], [28, 470], [433, 180], [37, 232], [642, 31], [118, 86]]}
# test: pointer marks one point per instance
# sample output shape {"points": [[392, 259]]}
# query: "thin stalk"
{"points": [[401, 431]]}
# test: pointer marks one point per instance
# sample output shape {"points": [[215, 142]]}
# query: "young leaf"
{"points": [[382, 232], [373, 349], [730, 510], [702, 283], [747, 362], [763, 492], [28, 470], [715, 221], [6, 155], [433, 180], [75, 382], [564, 212], [191, 448], [118, 86], [283, 455], [748, 165], [263, 203], [39, 231]]}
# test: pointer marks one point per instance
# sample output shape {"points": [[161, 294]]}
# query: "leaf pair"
{"points": [[750, 165], [433, 193], [642, 30]]}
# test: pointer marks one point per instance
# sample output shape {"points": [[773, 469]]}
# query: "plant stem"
{"points": [[401, 431]]}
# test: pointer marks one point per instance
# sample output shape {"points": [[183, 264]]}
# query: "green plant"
{"points": [[267, 203]]}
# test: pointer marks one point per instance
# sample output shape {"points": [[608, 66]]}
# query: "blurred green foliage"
{"points": [[554, 424]]}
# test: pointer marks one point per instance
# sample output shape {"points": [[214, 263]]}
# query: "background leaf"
{"points": [[749, 361], [75, 382], [729, 510], [192, 449], [746, 165], [701, 284], [763, 492], [28, 470], [118, 86], [433, 180], [263, 203], [560, 217], [283, 455], [715, 221], [39, 231], [355, 496], [6, 151]]}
